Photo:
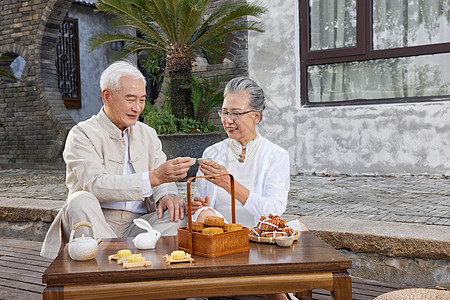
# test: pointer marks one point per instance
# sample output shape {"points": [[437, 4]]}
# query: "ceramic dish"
{"points": [[271, 240], [284, 241]]}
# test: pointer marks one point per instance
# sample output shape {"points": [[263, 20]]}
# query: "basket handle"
{"points": [[233, 205]]}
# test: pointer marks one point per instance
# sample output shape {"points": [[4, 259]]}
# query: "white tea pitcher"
{"points": [[83, 248]]}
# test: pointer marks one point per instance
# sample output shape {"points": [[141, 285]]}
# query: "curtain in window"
{"points": [[395, 24]]}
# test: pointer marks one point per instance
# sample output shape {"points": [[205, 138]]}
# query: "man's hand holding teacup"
{"points": [[170, 171]]}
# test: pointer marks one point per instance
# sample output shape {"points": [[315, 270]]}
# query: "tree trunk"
{"points": [[179, 66]]}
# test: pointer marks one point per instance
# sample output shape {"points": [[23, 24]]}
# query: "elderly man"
{"points": [[116, 169]]}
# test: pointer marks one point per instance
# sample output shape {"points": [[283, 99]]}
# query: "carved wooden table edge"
{"points": [[338, 283], [336, 280]]}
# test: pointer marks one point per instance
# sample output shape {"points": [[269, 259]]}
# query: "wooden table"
{"points": [[308, 264]]}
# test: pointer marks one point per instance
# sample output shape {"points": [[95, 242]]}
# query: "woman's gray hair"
{"points": [[110, 78], [240, 84]]}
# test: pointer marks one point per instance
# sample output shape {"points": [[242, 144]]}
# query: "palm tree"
{"points": [[179, 29]]}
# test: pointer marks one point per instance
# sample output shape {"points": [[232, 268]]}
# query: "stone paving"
{"points": [[406, 199]]}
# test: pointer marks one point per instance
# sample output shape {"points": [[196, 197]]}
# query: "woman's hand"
{"points": [[175, 205], [209, 167], [198, 203]]}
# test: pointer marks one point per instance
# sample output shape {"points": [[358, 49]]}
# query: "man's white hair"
{"points": [[110, 78]]}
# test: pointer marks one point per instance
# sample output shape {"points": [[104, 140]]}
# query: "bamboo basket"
{"points": [[212, 245]]}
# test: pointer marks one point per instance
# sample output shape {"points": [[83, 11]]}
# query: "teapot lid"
{"points": [[83, 238]]}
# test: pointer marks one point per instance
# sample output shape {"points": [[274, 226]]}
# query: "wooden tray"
{"points": [[127, 265], [269, 240], [169, 260], [212, 245]]}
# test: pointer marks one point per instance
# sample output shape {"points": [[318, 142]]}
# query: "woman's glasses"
{"points": [[233, 114]]}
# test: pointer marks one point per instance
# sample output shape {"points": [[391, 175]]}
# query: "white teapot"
{"points": [[146, 240], [83, 248]]}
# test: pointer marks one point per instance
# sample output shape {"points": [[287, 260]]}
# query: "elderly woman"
{"points": [[260, 168]]}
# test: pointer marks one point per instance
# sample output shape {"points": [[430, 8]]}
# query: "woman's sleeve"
{"points": [[273, 199]]}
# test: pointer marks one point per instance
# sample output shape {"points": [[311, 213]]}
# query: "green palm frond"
{"points": [[226, 19], [126, 51], [159, 12], [107, 37], [190, 18], [174, 30], [172, 14], [229, 13], [132, 13], [182, 22]]}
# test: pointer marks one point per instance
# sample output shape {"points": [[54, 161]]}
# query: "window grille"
{"points": [[68, 63]]}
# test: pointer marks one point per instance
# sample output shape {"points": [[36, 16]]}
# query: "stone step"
{"points": [[27, 218], [30, 218], [387, 238]]}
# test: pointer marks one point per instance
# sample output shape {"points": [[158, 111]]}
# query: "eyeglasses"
{"points": [[233, 114]]}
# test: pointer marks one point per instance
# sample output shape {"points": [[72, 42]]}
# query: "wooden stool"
{"points": [[415, 294]]}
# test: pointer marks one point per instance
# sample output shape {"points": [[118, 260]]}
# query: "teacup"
{"points": [[284, 241]]}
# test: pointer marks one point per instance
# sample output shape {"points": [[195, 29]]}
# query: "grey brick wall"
{"points": [[34, 125], [33, 119]]}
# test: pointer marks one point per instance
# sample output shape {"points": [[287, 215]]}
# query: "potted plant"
{"points": [[206, 96], [177, 30]]}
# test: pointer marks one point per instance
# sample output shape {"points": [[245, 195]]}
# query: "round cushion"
{"points": [[415, 294]]}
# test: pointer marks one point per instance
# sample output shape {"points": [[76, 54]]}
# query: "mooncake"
{"points": [[231, 227], [214, 221], [212, 230]]}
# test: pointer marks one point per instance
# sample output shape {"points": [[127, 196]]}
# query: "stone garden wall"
{"points": [[33, 119]]}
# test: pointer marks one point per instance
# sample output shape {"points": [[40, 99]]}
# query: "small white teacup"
{"points": [[284, 241], [200, 160]]}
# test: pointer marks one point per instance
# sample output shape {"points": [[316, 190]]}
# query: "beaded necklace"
{"points": [[244, 153]]}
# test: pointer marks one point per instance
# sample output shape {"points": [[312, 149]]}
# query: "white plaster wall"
{"points": [[92, 63], [273, 63], [372, 139]]}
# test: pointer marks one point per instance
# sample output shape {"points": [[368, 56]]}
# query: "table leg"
{"points": [[342, 286], [305, 295], [53, 293]]}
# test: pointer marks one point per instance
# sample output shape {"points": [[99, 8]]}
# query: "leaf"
{"points": [[184, 27]]}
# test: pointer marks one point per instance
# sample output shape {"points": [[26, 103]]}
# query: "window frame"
{"points": [[362, 52], [72, 102]]}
